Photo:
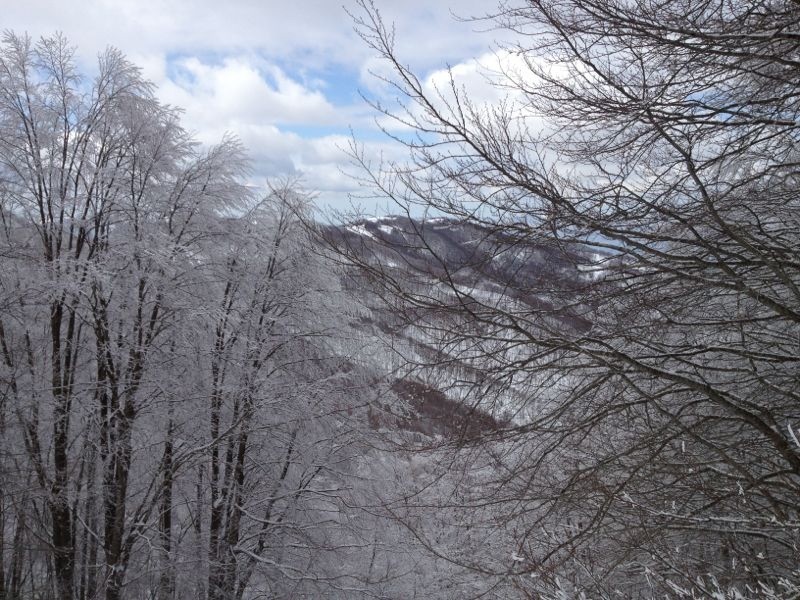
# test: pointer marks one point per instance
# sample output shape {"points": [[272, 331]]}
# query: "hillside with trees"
{"points": [[568, 368]]}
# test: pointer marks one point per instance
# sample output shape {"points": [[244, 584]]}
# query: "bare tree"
{"points": [[648, 152]]}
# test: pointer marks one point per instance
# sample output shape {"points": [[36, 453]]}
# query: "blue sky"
{"points": [[285, 77]]}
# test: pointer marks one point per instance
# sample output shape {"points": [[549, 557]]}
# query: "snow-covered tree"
{"points": [[175, 421]]}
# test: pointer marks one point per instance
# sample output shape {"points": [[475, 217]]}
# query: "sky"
{"points": [[286, 77]]}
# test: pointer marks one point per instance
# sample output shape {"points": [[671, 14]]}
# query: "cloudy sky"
{"points": [[284, 76]]}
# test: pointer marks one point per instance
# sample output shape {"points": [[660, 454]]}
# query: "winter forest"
{"points": [[550, 351]]}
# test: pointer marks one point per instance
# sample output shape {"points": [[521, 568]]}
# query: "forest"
{"points": [[566, 365]]}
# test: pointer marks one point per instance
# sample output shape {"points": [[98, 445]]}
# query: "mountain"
{"points": [[395, 264], [485, 264]]}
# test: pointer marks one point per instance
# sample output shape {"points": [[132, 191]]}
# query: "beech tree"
{"points": [[280, 436], [104, 197], [649, 151], [174, 419]]}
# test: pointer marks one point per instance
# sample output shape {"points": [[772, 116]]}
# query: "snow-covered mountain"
{"points": [[484, 263], [464, 266]]}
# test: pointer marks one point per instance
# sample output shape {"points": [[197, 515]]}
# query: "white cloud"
{"points": [[256, 101], [238, 91], [303, 32], [269, 71]]}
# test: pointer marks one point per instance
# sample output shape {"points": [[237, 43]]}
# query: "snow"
{"points": [[793, 435], [360, 230], [594, 269]]}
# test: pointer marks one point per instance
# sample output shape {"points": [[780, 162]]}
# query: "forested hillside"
{"points": [[567, 367]]}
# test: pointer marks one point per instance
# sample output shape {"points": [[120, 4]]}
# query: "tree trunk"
{"points": [[166, 584]]}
